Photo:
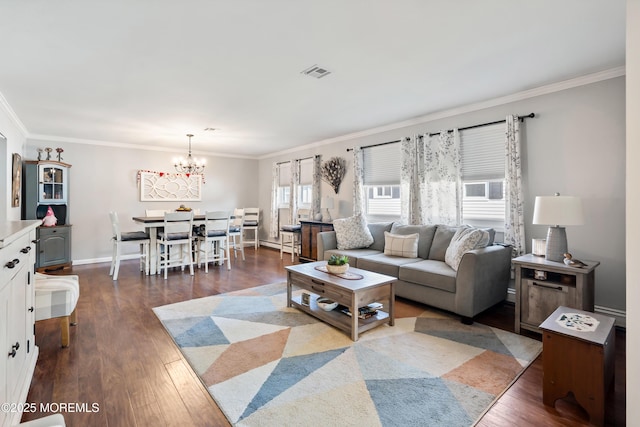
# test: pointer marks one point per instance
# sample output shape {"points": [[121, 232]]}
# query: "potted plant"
{"points": [[338, 264]]}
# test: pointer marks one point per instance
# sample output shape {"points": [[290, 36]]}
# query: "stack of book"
{"points": [[365, 312]]}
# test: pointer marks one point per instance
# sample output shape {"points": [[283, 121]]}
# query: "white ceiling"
{"points": [[147, 72]]}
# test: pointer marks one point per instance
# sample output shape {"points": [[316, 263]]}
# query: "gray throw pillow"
{"points": [[377, 230], [441, 241]]}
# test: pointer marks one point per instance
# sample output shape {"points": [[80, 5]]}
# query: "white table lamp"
{"points": [[326, 203], [557, 211]]}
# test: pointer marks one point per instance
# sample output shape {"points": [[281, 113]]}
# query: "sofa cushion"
{"points": [[401, 245], [352, 232], [384, 264], [377, 230], [354, 255], [464, 240], [425, 238], [441, 241], [431, 273]]}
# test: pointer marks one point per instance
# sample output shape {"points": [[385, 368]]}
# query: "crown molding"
{"points": [[52, 138], [518, 96], [4, 106]]}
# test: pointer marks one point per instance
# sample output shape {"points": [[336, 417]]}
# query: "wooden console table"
{"points": [[309, 236]]}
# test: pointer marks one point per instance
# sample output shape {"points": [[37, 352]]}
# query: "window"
{"points": [[382, 181], [305, 190], [483, 176], [284, 185]]}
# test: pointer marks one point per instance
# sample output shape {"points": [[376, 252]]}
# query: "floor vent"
{"points": [[316, 71]]}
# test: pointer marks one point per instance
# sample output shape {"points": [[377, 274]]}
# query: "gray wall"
{"points": [[14, 144], [574, 146], [104, 178]]}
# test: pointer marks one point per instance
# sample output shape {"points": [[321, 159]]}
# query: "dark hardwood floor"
{"points": [[126, 370]]}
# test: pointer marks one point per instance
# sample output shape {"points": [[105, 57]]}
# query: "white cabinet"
{"points": [[18, 353]]}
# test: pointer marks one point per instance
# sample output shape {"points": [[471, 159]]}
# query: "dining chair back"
{"points": [[293, 233], [252, 223], [213, 240], [176, 233], [120, 238], [236, 232]]}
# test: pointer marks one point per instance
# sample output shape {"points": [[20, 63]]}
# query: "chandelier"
{"points": [[189, 165]]}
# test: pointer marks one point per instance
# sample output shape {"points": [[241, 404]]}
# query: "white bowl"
{"points": [[326, 304], [337, 269]]}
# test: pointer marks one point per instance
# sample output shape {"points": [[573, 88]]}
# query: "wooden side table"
{"points": [[542, 286], [578, 356]]}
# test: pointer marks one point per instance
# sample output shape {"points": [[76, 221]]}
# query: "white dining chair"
{"points": [[236, 231], [175, 241], [292, 232], [120, 238], [213, 240], [251, 223]]}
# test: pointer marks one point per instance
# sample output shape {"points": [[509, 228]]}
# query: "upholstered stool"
{"points": [[57, 296]]}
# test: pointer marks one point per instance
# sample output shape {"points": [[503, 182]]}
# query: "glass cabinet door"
{"points": [[53, 184]]}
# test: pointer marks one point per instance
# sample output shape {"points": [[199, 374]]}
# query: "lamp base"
{"points": [[556, 244], [326, 216]]}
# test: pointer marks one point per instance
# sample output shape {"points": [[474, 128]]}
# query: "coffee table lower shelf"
{"points": [[372, 287], [337, 318]]}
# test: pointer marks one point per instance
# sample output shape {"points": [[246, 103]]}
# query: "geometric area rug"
{"points": [[266, 364]]}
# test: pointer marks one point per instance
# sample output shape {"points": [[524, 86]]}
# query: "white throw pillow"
{"points": [[463, 241], [404, 245], [352, 232]]}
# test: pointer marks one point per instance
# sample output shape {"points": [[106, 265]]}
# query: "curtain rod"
{"points": [[304, 158], [378, 145], [521, 118]]}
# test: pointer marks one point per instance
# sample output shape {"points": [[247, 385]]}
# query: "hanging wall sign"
{"points": [[162, 186]]}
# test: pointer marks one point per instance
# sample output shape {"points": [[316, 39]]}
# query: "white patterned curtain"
{"points": [[514, 215], [274, 225], [358, 181], [294, 190], [315, 189], [442, 192], [412, 183]]}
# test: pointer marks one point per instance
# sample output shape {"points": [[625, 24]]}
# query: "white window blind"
{"points": [[306, 171], [382, 165], [483, 152], [284, 175]]}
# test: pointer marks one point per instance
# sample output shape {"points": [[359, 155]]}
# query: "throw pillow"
{"points": [[463, 241], [352, 232], [401, 245]]}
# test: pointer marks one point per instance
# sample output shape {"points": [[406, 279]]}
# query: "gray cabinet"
{"points": [[45, 184], [54, 247], [542, 286]]}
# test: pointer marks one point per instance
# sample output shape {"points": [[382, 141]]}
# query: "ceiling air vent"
{"points": [[316, 71]]}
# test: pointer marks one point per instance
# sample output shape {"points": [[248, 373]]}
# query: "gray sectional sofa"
{"points": [[480, 281]]}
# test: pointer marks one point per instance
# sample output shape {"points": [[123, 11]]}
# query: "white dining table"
{"points": [[151, 225]]}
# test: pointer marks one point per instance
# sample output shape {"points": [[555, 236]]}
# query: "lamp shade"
{"points": [[558, 210], [326, 202]]}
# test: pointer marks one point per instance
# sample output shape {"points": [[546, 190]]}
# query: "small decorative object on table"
{"points": [[183, 208], [568, 260], [326, 304], [338, 264]]}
